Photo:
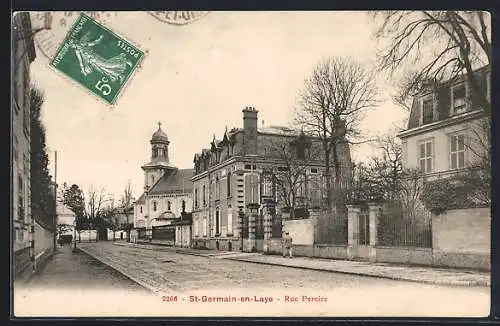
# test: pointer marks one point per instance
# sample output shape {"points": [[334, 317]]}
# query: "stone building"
{"points": [[248, 180], [23, 225], [167, 193]]}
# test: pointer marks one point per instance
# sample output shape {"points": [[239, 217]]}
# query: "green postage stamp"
{"points": [[97, 58]]}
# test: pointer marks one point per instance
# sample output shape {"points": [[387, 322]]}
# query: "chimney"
{"points": [[250, 130]]}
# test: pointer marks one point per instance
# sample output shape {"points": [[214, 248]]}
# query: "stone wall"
{"points": [[301, 231], [44, 244], [462, 238]]}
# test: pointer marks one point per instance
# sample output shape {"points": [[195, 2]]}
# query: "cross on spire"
{"points": [[159, 124]]}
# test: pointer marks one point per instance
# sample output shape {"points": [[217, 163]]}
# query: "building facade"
{"points": [[167, 193], [246, 181], [446, 130], [23, 228]]}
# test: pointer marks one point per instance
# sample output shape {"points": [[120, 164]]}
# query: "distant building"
{"points": [[235, 179], [23, 54], [167, 193], [65, 219]]}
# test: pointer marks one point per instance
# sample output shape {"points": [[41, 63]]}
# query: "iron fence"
{"points": [[397, 228]]}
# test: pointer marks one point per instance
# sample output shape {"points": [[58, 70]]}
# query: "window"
{"points": [[183, 205], [217, 187], [169, 205], [229, 220], [204, 226], [457, 151], [196, 228], [458, 99], [426, 156], [155, 152], [217, 221], [314, 170], [301, 150], [427, 110], [204, 195], [141, 209], [267, 185], [154, 206], [196, 197], [20, 196], [228, 181], [152, 179]]}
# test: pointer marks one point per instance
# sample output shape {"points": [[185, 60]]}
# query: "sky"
{"points": [[195, 79]]}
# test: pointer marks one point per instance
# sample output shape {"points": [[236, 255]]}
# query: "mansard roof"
{"points": [[443, 98]]}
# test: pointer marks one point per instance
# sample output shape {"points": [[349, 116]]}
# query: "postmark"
{"points": [[178, 17], [54, 26], [97, 58]]}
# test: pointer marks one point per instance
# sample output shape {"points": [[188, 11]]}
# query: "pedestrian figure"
{"points": [[287, 245]]}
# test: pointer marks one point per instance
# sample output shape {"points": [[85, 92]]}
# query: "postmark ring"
{"points": [[178, 17]]}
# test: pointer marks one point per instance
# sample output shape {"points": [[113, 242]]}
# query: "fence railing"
{"points": [[395, 229]]}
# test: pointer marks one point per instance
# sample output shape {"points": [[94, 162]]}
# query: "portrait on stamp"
{"points": [[97, 58]]}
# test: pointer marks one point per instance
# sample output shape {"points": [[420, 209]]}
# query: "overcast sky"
{"points": [[195, 79]]}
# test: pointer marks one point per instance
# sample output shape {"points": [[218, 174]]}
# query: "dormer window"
{"points": [[427, 110], [458, 99]]}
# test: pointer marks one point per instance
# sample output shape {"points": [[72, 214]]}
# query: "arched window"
{"points": [[152, 179], [155, 152], [141, 209], [168, 205], [228, 184], [154, 206]]}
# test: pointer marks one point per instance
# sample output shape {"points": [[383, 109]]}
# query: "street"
{"points": [[205, 286]]}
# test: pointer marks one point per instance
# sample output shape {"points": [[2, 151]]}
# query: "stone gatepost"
{"points": [[269, 209], [352, 230], [374, 211]]}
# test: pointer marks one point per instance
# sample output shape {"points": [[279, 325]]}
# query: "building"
{"points": [[240, 187], [167, 193], [65, 219], [447, 140], [444, 133], [23, 225]]}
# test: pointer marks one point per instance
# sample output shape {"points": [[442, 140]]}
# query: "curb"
{"points": [[145, 285], [396, 278]]}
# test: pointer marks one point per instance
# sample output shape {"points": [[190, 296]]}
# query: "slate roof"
{"points": [[443, 97], [174, 181]]}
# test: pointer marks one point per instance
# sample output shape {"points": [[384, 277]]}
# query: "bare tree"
{"points": [[331, 106], [95, 202], [289, 177], [438, 45], [127, 197]]}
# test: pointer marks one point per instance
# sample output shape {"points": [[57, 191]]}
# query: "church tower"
{"points": [[159, 162]]}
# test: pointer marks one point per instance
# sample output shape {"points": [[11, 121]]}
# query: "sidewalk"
{"points": [[429, 275]]}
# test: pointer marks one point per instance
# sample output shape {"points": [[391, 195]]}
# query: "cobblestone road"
{"points": [[345, 295]]}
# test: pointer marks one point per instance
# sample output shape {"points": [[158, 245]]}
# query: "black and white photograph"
{"points": [[250, 163]]}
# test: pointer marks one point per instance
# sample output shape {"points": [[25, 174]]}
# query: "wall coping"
{"points": [[405, 248]]}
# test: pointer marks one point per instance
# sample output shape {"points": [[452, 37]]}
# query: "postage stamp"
{"points": [[97, 58]]}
